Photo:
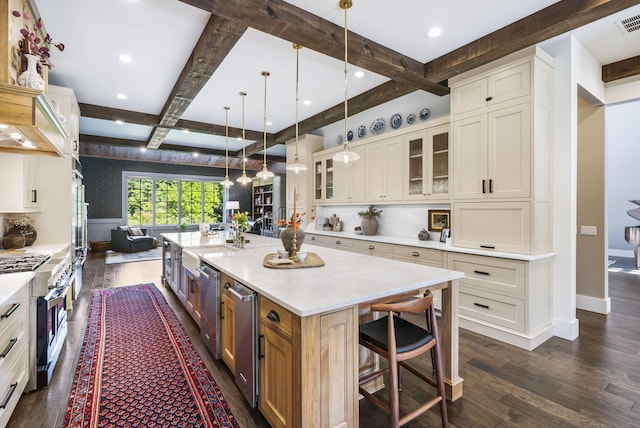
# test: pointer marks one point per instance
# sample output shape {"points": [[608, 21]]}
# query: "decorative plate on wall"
{"points": [[339, 139], [395, 121], [411, 118], [349, 135], [362, 131], [424, 114], [377, 126]]}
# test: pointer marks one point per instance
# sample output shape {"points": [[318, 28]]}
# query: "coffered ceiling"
{"points": [[190, 58]]}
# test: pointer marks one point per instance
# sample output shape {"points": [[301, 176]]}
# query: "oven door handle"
{"points": [[54, 301]]}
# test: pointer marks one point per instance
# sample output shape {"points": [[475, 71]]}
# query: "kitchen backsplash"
{"points": [[403, 221]]}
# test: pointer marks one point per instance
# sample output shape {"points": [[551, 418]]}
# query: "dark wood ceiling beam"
{"points": [[621, 69], [549, 22], [381, 94], [217, 39], [108, 113], [286, 21]]}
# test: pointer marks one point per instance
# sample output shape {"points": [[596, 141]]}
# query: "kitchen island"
{"points": [[308, 324]]}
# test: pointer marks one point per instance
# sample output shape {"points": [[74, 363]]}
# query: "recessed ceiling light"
{"points": [[434, 32], [359, 73], [307, 102], [186, 131], [27, 144], [119, 122], [239, 138], [122, 96], [125, 58], [269, 123], [143, 149], [195, 154]]}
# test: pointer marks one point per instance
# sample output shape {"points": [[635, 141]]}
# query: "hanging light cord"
{"points": [[346, 6], [265, 74], [244, 160], [297, 48], [226, 136]]}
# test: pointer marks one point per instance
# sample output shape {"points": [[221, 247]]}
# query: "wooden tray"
{"points": [[312, 260]]}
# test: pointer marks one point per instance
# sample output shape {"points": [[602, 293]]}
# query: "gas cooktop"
{"points": [[21, 262]]}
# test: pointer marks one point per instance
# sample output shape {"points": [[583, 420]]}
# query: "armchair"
{"points": [[125, 240]]}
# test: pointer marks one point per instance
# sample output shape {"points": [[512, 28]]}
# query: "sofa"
{"points": [[128, 239]]}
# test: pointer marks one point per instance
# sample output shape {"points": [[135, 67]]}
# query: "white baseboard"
{"points": [[521, 340], [567, 329], [620, 253], [593, 304]]}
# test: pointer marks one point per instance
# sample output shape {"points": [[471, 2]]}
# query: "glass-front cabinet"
{"points": [[323, 179], [427, 164]]}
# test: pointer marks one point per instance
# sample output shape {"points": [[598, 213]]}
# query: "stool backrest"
{"points": [[413, 305]]}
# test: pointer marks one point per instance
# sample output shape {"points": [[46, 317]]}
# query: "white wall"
{"points": [[623, 171]]}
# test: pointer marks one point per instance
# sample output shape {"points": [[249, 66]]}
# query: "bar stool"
{"points": [[399, 340]]}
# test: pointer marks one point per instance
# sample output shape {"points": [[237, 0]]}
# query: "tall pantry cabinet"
{"points": [[502, 197]]}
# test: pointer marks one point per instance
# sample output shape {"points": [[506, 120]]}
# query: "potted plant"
{"points": [[369, 223], [21, 225]]}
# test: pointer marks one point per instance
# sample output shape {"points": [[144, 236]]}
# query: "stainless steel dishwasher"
{"points": [[210, 308], [245, 340]]}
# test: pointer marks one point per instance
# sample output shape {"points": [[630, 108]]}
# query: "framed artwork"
{"points": [[439, 219], [444, 235]]}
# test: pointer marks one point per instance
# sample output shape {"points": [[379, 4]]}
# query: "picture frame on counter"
{"points": [[444, 235], [439, 219]]}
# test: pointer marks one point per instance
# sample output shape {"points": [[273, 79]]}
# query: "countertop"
{"points": [[50, 249], [436, 245], [12, 282]]}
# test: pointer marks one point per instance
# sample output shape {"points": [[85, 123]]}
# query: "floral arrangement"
{"points": [[241, 219], [370, 212], [297, 218], [33, 44], [21, 221]]}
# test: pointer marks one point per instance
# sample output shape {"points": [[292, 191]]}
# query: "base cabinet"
{"points": [[508, 300], [227, 324], [307, 367], [192, 295]]}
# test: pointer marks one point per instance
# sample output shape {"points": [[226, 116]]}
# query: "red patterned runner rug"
{"points": [[138, 368]]}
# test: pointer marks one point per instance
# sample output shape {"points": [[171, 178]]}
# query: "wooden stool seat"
{"points": [[399, 340]]}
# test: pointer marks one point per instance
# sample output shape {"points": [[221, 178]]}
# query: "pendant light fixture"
{"points": [[243, 178], [297, 166], [226, 182], [265, 173], [345, 155]]}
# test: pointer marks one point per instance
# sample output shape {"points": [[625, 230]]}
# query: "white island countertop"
{"points": [[346, 279]]}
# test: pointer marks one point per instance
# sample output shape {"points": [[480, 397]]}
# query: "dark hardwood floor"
{"points": [[593, 381]]}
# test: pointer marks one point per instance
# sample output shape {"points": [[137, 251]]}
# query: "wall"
{"points": [[591, 257], [623, 184], [103, 189]]}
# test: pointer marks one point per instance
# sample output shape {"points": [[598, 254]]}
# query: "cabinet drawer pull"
{"points": [[371, 247], [338, 242], [11, 310], [34, 196], [313, 238], [480, 305], [221, 310], [260, 354], [479, 272], [415, 254], [273, 316], [488, 99], [484, 186], [12, 389], [490, 185], [9, 347], [488, 247]]}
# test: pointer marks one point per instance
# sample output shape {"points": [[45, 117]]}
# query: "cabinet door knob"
{"points": [[488, 99], [415, 253], [371, 247], [273, 316], [338, 242]]}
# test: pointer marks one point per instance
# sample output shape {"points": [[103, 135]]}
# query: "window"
{"points": [[172, 201]]}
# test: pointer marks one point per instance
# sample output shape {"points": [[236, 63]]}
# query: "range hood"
{"points": [[28, 123]]}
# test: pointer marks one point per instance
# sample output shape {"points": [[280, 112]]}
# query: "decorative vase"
{"points": [[13, 241], [286, 236], [30, 78], [28, 232], [423, 235], [369, 226]]}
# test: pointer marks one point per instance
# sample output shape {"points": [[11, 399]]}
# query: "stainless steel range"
{"points": [[48, 314]]}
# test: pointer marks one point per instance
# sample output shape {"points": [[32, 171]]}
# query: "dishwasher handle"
{"points": [[248, 295]]}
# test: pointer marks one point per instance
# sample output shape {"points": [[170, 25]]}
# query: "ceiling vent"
{"points": [[629, 25]]}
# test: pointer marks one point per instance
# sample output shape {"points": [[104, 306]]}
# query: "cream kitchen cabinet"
{"points": [[331, 242], [371, 248], [424, 256], [384, 170], [502, 193], [14, 345], [427, 164], [323, 179], [507, 83], [492, 154], [350, 179], [508, 300], [65, 103], [23, 172], [302, 181]]}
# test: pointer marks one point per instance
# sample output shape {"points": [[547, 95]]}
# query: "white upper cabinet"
{"points": [[350, 179], [383, 169], [65, 103], [427, 164], [503, 85], [23, 172]]}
